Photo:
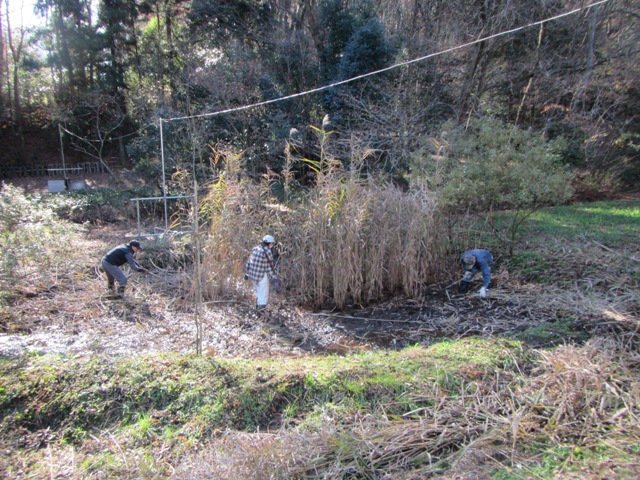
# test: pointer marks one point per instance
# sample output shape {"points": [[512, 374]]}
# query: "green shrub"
{"points": [[492, 166]]}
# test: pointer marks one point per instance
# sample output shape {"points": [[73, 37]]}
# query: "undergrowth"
{"points": [[366, 415], [68, 395], [35, 243]]}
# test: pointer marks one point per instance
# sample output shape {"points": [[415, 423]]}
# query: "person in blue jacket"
{"points": [[474, 261], [117, 257]]}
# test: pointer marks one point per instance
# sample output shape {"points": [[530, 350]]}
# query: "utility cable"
{"points": [[386, 69]]}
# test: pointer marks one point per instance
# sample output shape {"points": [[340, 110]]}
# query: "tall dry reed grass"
{"points": [[346, 240]]}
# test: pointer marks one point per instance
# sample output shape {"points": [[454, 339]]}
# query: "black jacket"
{"points": [[120, 255]]}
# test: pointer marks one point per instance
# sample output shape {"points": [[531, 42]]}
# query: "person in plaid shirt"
{"points": [[260, 270]]}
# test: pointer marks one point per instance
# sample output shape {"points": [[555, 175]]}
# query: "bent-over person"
{"points": [[474, 261], [117, 257]]}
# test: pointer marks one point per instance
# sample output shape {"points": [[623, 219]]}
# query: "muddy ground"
{"points": [[231, 328]]}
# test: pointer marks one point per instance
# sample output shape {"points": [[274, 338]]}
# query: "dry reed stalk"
{"points": [[348, 241], [370, 446], [234, 210], [249, 456], [579, 381], [380, 244]]}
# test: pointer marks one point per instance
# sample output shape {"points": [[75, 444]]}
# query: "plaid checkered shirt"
{"points": [[260, 262]]}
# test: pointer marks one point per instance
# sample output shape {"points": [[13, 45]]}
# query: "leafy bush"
{"points": [[105, 204], [493, 166], [497, 166]]}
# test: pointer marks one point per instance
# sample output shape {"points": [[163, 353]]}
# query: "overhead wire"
{"points": [[392, 67]]}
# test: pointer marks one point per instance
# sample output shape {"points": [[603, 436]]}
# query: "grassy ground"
{"points": [[466, 407], [609, 222]]}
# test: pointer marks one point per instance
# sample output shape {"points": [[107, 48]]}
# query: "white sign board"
{"points": [[56, 186]]}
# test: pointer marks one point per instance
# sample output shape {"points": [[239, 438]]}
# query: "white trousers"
{"points": [[262, 291]]}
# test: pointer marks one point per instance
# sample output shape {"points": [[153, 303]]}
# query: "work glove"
{"points": [[464, 286], [483, 292], [246, 277], [277, 282]]}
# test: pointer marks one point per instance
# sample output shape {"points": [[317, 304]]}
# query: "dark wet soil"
{"points": [[233, 329]]}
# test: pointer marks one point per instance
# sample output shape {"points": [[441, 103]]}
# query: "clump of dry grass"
{"points": [[594, 385], [580, 396], [347, 240], [361, 239]]}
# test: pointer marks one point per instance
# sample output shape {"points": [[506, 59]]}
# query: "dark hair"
{"points": [[135, 243]]}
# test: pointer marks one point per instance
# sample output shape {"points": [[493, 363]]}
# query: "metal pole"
{"points": [[64, 168], [164, 182], [198, 269]]}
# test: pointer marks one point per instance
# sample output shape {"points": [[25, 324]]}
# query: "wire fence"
{"points": [[26, 170]]}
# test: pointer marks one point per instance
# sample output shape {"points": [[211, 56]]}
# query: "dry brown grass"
{"points": [[578, 396], [347, 241]]}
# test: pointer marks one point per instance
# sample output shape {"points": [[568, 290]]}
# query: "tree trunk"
{"points": [[64, 50], [16, 54], [472, 68], [3, 67], [586, 78]]}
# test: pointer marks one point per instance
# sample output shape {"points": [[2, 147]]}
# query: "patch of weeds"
{"points": [[448, 381], [182, 399], [598, 461], [106, 204], [102, 462], [563, 330], [531, 266], [356, 387], [554, 461], [388, 382], [290, 412], [316, 384], [456, 362], [74, 436], [252, 409], [37, 240], [329, 413], [485, 353], [145, 427]]}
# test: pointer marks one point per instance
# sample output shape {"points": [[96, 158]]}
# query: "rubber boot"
{"points": [[120, 291], [110, 287], [261, 310], [464, 286]]}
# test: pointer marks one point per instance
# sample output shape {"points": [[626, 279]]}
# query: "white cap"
{"points": [[268, 239]]}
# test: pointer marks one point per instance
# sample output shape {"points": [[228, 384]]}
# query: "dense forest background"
{"points": [[99, 75]]}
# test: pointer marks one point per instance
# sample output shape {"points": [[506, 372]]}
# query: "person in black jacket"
{"points": [[117, 257]]}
